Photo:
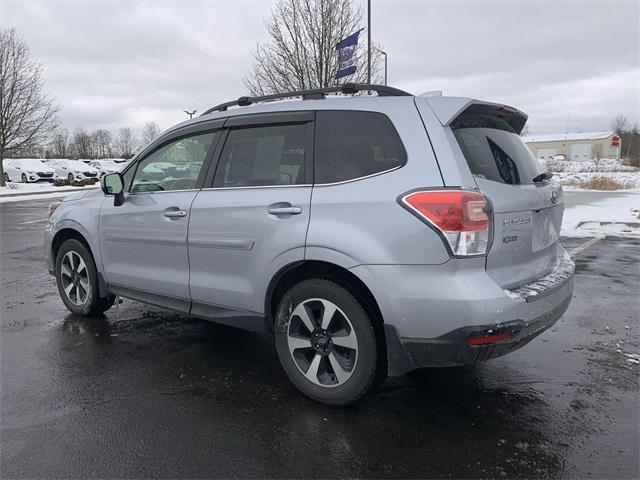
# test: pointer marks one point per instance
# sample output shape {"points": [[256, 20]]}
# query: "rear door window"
{"points": [[494, 151], [263, 156], [353, 144]]}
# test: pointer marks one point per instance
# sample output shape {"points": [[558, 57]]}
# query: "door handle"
{"points": [[285, 210], [175, 213]]}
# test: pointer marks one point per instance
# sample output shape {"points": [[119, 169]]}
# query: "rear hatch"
{"points": [[527, 207]]}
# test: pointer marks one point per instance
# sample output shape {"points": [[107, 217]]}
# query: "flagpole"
{"points": [[369, 41]]}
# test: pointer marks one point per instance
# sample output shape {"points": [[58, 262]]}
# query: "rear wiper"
{"points": [[542, 177]]}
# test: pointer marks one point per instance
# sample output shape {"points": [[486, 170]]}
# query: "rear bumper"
{"points": [[453, 348], [431, 311]]}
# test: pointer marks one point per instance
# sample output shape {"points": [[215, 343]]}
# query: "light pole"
{"points": [[385, 66], [191, 114], [369, 42]]}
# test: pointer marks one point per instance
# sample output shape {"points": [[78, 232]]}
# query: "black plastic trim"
{"points": [[178, 304], [313, 94], [261, 119], [244, 320]]}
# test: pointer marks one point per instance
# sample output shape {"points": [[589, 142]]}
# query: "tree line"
{"points": [[100, 143], [629, 139]]}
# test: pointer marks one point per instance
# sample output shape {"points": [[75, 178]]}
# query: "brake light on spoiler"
{"points": [[460, 217]]}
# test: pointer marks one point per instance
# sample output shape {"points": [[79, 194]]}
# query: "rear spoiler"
{"points": [[447, 109]]}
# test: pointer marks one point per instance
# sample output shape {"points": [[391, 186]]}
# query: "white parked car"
{"points": [[73, 169], [26, 170], [107, 166]]}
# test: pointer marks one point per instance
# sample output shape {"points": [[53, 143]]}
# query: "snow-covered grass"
{"points": [[604, 174], [616, 215], [599, 180], [602, 165], [43, 190]]}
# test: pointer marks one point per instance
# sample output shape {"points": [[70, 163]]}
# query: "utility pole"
{"points": [[369, 41], [191, 114]]}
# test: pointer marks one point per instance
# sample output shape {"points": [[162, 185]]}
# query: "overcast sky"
{"points": [[112, 63]]}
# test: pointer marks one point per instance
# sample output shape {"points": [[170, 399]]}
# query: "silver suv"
{"points": [[370, 234]]}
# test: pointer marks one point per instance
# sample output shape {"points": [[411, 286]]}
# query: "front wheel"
{"points": [[6, 178], [70, 177], [24, 178], [326, 342], [77, 280]]}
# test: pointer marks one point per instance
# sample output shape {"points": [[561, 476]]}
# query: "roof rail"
{"points": [[314, 94]]}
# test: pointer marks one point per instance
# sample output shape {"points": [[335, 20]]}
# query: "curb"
{"points": [[48, 192]]}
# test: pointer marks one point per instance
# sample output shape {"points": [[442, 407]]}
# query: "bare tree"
{"points": [[82, 144], [301, 53], [150, 132], [60, 143], [102, 141], [619, 124], [596, 156], [126, 142], [27, 115]]}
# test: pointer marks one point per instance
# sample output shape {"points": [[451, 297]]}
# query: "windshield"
{"points": [[494, 151]]}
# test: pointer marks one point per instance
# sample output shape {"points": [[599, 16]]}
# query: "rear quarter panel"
{"points": [[360, 221]]}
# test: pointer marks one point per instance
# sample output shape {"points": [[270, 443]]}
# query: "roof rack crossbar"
{"points": [[313, 94]]}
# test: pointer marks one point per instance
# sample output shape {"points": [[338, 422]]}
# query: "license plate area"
{"points": [[545, 231]]}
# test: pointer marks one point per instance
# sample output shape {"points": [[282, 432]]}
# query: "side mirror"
{"points": [[113, 185]]}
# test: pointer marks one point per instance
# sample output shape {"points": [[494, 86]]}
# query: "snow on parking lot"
{"points": [[17, 192], [616, 214]]}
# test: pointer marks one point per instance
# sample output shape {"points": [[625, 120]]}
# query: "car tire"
{"points": [[339, 365], [6, 178], [77, 279], [70, 177], [24, 178]]}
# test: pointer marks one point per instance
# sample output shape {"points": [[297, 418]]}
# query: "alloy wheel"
{"points": [[75, 278], [24, 178], [322, 342]]}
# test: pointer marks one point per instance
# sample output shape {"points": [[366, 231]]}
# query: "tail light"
{"points": [[461, 217]]}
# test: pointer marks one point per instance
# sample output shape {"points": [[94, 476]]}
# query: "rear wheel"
{"points": [[6, 177], [77, 280], [326, 342], [24, 178]]}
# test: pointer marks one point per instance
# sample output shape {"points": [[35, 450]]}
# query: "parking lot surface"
{"points": [[142, 392]]}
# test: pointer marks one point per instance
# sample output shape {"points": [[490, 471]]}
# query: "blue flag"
{"points": [[345, 50]]}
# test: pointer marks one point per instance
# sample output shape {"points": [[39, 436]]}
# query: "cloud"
{"points": [[122, 63]]}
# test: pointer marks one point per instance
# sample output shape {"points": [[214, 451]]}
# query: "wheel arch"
{"points": [[296, 272], [68, 233]]}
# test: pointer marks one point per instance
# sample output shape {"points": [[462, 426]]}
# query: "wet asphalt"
{"points": [[141, 392]]}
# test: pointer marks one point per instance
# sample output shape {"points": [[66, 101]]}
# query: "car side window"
{"points": [[354, 144], [263, 156], [175, 166]]}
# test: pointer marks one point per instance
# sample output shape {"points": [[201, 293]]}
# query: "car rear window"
{"points": [[353, 144], [493, 150]]}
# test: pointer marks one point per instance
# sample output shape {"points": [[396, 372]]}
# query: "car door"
{"points": [[10, 170], [253, 217], [144, 240]]}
